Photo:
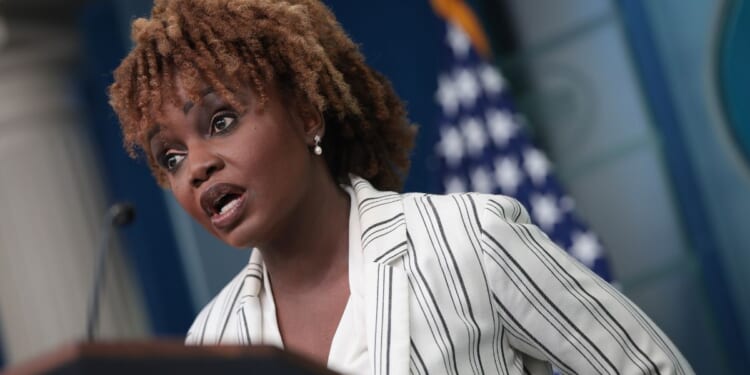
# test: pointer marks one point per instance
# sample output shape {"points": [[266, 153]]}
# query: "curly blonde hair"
{"points": [[296, 44]]}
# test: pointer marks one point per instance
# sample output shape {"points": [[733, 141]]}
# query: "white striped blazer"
{"points": [[464, 284]]}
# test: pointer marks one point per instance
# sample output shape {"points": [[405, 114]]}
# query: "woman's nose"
{"points": [[203, 164]]}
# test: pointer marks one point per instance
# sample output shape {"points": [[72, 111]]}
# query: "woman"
{"points": [[265, 122]]}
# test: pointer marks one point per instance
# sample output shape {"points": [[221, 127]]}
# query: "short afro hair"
{"points": [[295, 44]]}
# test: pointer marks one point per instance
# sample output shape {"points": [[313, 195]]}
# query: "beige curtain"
{"points": [[51, 203]]}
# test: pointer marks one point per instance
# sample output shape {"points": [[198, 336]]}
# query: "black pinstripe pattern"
{"points": [[462, 302], [205, 321], [472, 218], [646, 326], [544, 306], [418, 363], [534, 304], [591, 304], [558, 362], [432, 314], [608, 323]]}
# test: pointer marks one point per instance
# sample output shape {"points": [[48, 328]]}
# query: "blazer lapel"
{"points": [[386, 285], [248, 311]]}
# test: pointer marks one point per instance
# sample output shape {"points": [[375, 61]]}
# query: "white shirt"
{"points": [[348, 353]]}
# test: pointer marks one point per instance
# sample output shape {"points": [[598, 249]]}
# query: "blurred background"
{"points": [[639, 106]]}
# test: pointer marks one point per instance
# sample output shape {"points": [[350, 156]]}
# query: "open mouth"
{"points": [[223, 204]]}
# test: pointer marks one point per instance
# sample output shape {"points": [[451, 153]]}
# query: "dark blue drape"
{"points": [[401, 39], [149, 243]]}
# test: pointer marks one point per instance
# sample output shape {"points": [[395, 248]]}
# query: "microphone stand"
{"points": [[118, 215]]}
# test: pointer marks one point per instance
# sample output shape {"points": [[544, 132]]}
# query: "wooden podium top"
{"points": [[166, 356]]}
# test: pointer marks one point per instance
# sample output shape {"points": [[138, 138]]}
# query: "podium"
{"points": [[166, 357]]}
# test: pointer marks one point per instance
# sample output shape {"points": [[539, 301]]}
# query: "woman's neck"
{"points": [[312, 251]]}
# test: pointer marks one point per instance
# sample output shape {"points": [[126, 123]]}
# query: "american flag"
{"points": [[483, 148]]}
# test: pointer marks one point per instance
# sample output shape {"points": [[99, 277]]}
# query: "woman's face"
{"points": [[241, 175]]}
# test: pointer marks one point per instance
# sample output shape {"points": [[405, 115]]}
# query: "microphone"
{"points": [[121, 214], [118, 215]]}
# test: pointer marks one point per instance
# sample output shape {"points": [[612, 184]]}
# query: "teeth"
{"points": [[232, 204]]}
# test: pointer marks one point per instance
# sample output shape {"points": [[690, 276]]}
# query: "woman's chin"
{"points": [[236, 241], [241, 235]]}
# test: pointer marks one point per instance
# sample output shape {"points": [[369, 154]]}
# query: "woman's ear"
{"points": [[312, 123]]}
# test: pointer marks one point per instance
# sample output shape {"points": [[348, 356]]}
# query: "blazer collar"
{"points": [[384, 243], [381, 217], [248, 313]]}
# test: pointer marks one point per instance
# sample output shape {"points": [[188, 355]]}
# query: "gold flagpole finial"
{"points": [[461, 15]]}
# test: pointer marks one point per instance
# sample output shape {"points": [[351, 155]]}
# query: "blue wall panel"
{"points": [[674, 46], [733, 73], [149, 242], [402, 39]]}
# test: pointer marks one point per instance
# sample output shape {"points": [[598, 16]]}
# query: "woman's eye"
{"points": [[221, 122], [172, 160]]}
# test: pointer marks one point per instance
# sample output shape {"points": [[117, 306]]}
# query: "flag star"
{"points": [[492, 81], [481, 181], [467, 87], [476, 137], [454, 184], [536, 165], [544, 210], [446, 95], [508, 174], [458, 41], [451, 145], [585, 248], [501, 125]]}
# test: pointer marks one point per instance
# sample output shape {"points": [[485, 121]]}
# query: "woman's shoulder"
{"points": [[461, 224], [478, 206], [483, 206]]}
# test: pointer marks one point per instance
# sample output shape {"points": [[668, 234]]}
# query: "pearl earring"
{"points": [[317, 150]]}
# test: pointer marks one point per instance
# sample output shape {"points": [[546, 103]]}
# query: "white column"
{"points": [[51, 204]]}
